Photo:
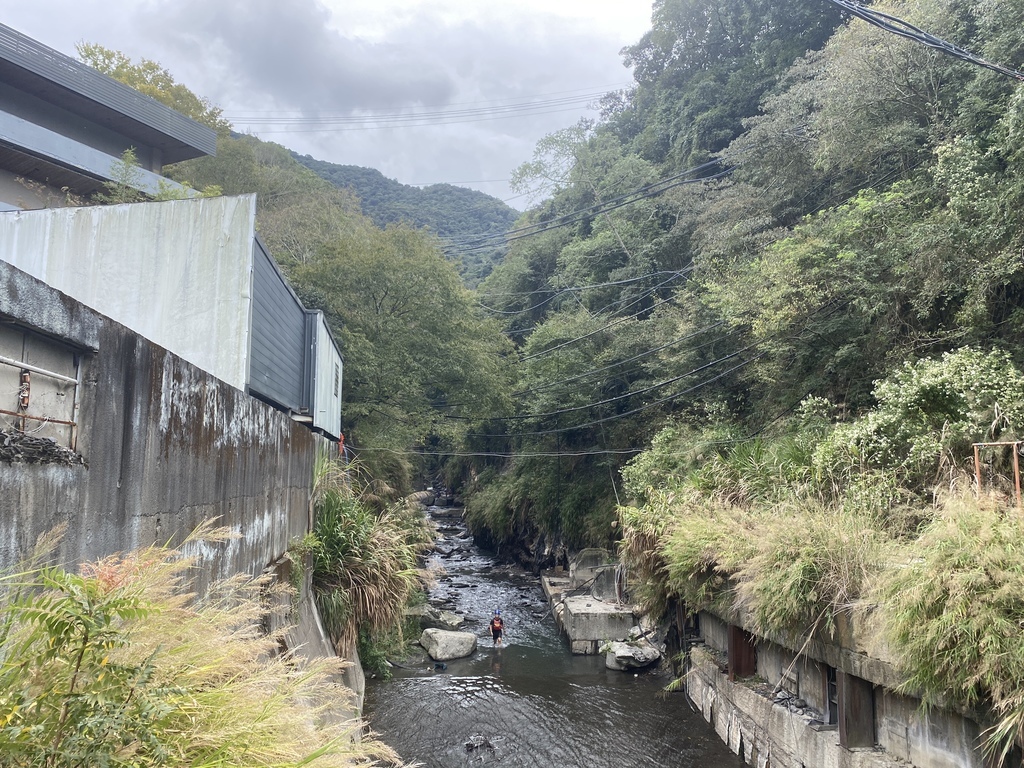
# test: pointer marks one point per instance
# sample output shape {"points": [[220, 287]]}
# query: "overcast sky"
{"points": [[315, 71]]}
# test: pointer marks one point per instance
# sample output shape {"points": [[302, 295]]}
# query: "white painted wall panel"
{"points": [[177, 272], [327, 381]]}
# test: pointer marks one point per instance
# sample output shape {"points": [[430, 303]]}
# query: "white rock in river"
{"points": [[625, 656], [443, 645]]}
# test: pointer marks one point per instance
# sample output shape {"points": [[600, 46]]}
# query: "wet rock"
{"points": [[476, 741], [627, 656], [443, 645], [432, 618]]}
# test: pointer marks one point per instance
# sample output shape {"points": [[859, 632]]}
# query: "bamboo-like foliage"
{"points": [[954, 609], [118, 666], [364, 562]]}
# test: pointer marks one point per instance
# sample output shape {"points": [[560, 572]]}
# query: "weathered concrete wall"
{"points": [[167, 447], [714, 631], [938, 739], [740, 712], [765, 734], [178, 272]]}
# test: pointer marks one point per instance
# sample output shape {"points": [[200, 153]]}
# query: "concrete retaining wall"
{"points": [[166, 445], [767, 735], [745, 715]]}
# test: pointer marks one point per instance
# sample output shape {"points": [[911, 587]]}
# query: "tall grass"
{"points": [[119, 666], [365, 562], [954, 612], [784, 569]]}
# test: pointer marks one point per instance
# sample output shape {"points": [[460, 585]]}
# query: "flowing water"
{"points": [[530, 703]]}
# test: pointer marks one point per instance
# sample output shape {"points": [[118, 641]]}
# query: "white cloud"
{"points": [[359, 57]]}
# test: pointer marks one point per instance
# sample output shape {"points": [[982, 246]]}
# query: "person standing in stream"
{"points": [[497, 627]]}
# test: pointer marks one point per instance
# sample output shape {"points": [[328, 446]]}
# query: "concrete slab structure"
{"points": [[849, 714], [587, 621]]}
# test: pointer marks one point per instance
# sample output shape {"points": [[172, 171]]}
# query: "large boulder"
{"points": [[626, 656], [442, 645]]}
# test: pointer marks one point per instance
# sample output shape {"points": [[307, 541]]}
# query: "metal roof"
{"points": [[61, 80]]}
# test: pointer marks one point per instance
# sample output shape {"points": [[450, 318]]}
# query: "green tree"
{"points": [[155, 81]]}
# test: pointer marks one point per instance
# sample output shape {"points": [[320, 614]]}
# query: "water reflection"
{"points": [[530, 702]]}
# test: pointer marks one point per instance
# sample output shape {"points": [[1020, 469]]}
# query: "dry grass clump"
{"points": [[807, 564], [119, 666], [783, 569], [954, 612]]}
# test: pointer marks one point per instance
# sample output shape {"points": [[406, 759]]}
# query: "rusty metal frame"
{"points": [[1016, 464], [28, 367]]}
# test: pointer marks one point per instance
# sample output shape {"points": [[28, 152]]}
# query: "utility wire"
{"points": [[279, 116], [653, 404], [471, 243], [616, 364], [905, 29], [577, 288], [634, 393], [603, 328]]}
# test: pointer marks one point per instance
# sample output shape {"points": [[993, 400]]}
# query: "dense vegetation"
{"points": [[773, 299], [452, 213], [797, 350]]}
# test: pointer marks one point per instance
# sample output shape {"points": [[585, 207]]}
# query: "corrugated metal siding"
{"points": [[42, 61], [277, 355]]}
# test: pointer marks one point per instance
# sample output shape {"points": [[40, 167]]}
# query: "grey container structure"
{"points": [[64, 125], [189, 275], [294, 362]]}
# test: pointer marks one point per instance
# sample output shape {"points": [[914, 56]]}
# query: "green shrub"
{"points": [[365, 563], [118, 666]]}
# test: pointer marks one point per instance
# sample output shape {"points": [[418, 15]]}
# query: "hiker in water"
{"points": [[497, 625]]}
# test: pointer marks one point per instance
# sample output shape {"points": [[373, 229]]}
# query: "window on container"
{"points": [[38, 386]]}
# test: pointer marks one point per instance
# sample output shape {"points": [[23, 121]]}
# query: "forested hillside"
{"points": [[775, 299], [452, 212]]}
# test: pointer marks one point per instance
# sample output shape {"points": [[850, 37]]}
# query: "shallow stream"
{"points": [[529, 703]]}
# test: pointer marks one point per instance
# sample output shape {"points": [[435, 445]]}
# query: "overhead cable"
{"points": [[898, 26], [468, 245]]}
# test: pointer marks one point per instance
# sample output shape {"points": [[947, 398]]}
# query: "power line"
{"points": [[634, 393], [577, 288], [596, 91], [603, 328], [616, 364], [642, 408], [472, 243], [898, 26]]}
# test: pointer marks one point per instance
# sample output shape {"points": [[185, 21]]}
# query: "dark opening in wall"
{"points": [[742, 653], [856, 711], [831, 697]]}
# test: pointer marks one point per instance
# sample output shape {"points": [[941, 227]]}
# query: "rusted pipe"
{"points": [[38, 418]]}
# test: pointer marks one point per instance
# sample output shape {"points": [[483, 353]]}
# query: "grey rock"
{"points": [[443, 646], [627, 656]]}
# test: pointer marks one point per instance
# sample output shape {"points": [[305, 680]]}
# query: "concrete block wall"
{"points": [[764, 734], [897, 730]]}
